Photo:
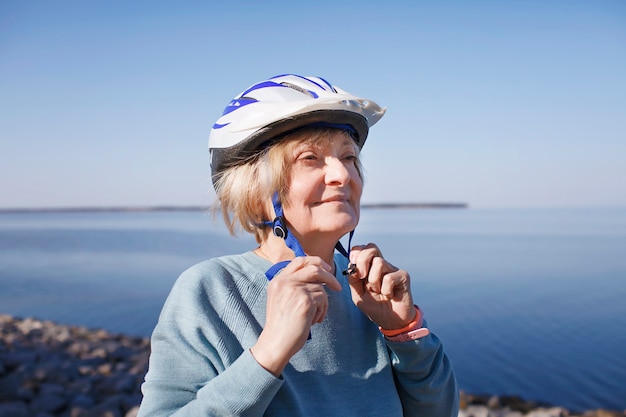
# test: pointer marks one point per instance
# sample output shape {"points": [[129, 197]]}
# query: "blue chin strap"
{"points": [[279, 228]]}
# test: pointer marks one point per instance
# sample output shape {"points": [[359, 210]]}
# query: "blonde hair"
{"points": [[244, 192]]}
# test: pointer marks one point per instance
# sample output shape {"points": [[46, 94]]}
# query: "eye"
{"points": [[350, 157], [308, 156]]}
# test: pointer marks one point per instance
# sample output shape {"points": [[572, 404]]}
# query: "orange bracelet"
{"points": [[415, 324]]}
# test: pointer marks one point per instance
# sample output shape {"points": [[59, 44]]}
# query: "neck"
{"points": [[275, 250]]}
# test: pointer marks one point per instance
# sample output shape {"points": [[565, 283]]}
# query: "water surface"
{"points": [[527, 302]]}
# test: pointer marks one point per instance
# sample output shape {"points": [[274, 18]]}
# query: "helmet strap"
{"points": [[279, 228]]}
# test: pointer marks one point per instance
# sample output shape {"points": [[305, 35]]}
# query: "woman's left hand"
{"points": [[379, 289]]}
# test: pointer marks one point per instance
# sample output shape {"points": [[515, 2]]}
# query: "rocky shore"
{"points": [[48, 369]]}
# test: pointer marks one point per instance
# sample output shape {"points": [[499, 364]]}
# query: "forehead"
{"points": [[322, 138]]}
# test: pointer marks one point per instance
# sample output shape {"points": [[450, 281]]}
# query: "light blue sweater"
{"points": [[201, 364]]}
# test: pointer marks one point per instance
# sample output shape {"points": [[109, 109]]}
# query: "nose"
{"points": [[337, 173]]}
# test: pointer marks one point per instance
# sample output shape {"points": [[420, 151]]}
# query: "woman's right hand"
{"points": [[296, 299]]}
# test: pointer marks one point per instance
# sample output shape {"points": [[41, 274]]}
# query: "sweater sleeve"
{"points": [[424, 378], [194, 370]]}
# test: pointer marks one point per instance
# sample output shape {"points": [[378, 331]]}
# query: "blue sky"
{"points": [[492, 103]]}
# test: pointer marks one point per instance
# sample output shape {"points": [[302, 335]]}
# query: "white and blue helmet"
{"points": [[271, 108]]}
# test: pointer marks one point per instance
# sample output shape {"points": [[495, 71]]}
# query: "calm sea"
{"points": [[527, 302]]}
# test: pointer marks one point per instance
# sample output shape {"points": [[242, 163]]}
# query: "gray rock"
{"points": [[49, 403], [80, 412], [82, 401], [9, 387], [132, 412], [14, 409], [51, 388], [125, 383], [14, 359], [549, 412], [475, 411]]}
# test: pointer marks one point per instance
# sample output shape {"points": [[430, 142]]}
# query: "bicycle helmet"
{"points": [[271, 108]]}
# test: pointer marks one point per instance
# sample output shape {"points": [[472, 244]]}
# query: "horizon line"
{"points": [[162, 208]]}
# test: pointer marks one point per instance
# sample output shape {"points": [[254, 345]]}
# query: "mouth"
{"points": [[334, 200]]}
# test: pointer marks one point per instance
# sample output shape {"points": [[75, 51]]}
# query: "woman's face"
{"points": [[325, 188]]}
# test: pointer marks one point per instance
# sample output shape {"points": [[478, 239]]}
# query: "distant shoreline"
{"points": [[201, 208]]}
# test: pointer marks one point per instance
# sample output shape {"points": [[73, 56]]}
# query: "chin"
{"points": [[345, 225]]}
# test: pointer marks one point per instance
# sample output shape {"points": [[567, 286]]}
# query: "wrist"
{"points": [[411, 331], [416, 323], [409, 336], [269, 360]]}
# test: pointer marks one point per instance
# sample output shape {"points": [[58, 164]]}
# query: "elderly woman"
{"points": [[293, 328]]}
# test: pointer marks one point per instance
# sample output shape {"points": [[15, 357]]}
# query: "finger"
{"points": [[319, 303], [362, 257], [301, 262], [395, 285], [313, 275], [321, 308], [311, 269], [375, 275], [356, 251]]}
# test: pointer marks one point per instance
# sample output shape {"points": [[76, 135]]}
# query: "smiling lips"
{"points": [[335, 199]]}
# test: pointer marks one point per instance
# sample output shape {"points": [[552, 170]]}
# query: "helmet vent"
{"points": [[300, 89]]}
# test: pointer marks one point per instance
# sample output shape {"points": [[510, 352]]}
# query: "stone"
{"points": [[105, 369], [494, 402], [548, 412], [82, 401], [78, 411], [107, 409], [517, 404], [131, 400], [14, 409], [122, 353], [132, 412], [48, 388], [9, 387], [475, 411], [14, 359], [603, 413], [49, 403], [125, 383]]}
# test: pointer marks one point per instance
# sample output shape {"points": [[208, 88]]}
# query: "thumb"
{"points": [[355, 282]]}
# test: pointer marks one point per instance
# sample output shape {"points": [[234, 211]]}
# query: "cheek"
{"points": [[357, 183], [298, 185], [299, 192]]}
